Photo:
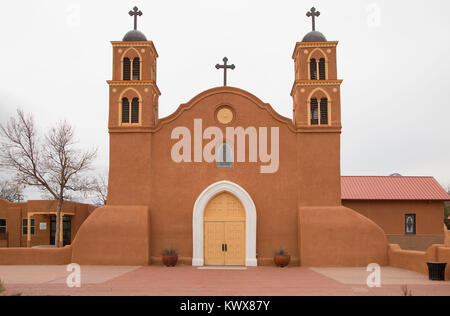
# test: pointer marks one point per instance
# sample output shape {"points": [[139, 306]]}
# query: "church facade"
{"points": [[227, 180]]}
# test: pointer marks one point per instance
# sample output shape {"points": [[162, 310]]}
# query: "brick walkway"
{"points": [[190, 281]]}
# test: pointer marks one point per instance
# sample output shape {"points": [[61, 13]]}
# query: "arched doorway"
{"points": [[242, 210], [224, 231]]}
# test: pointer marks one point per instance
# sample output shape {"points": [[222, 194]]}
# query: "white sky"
{"points": [[393, 56]]}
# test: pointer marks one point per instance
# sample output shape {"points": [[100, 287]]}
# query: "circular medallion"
{"points": [[225, 115]]}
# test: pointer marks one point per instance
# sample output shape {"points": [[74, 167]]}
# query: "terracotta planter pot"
{"points": [[170, 260], [282, 260]]}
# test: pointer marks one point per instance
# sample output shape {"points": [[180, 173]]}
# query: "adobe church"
{"points": [[227, 211], [226, 180]]}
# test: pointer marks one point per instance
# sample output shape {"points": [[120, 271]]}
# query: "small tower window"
{"points": [[125, 111], [324, 111], [313, 69], [136, 69], [322, 69], [314, 112], [225, 156], [126, 69], [135, 110]]}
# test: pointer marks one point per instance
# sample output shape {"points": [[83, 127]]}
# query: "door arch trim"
{"points": [[250, 220]]}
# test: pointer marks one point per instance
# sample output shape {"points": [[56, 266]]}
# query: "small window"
{"points": [[225, 156], [314, 112], [25, 226], [324, 111], [2, 225], [135, 110], [313, 69], [136, 69], [322, 69], [126, 68], [410, 224], [125, 110]]}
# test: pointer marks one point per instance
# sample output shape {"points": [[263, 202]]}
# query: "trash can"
{"points": [[436, 271]]}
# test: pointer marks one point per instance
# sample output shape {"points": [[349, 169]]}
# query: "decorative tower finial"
{"points": [[313, 13], [136, 12]]}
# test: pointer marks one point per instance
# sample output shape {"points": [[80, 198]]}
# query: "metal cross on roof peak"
{"points": [[136, 12], [225, 67], [313, 13]]}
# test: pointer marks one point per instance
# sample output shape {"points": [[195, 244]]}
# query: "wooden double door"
{"points": [[224, 231]]}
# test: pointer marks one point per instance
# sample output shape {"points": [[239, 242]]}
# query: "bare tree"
{"points": [[100, 190], [50, 163], [10, 191]]}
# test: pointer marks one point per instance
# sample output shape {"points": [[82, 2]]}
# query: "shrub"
{"points": [[406, 291], [169, 252], [281, 252]]}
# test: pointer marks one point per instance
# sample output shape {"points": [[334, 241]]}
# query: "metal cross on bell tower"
{"points": [[313, 13], [136, 12], [225, 67]]}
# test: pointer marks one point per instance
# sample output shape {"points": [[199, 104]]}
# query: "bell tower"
{"points": [[133, 114], [133, 94], [317, 117]]}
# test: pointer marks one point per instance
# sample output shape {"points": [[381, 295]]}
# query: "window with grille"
{"points": [[225, 156], [125, 110], [126, 68], [25, 226], [314, 112], [136, 69], [2, 225], [313, 69], [323, 111], [322, 69], [135, 110]]}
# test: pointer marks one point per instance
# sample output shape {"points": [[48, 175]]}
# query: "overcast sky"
{"points": [[392, 55]]}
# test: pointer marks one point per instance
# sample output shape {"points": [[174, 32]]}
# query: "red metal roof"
{"points": [[392, 188]]}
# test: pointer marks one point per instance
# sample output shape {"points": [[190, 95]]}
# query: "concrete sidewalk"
{"points": [[191, 281]]}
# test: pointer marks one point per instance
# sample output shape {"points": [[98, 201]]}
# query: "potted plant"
{"points": [[281, 258], [170, 257]]}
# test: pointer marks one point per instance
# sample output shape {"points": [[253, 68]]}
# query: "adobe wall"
{"points": [[114, 235], [416, 260], [319, 170], [339, 237], [35, 256], [447, 237], [390, 215], [415, 242]]}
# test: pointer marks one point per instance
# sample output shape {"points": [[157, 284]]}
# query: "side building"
{"points": [[410, 210], [41, 216]]}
